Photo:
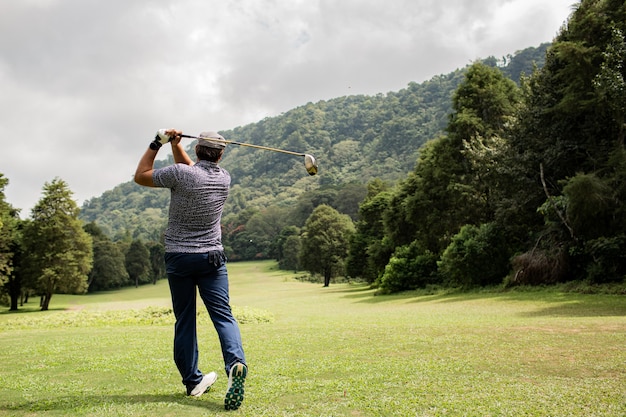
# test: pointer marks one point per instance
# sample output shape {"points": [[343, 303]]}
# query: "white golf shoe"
{"points": [[203, 385]]}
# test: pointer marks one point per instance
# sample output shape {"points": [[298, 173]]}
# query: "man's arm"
{"points": [[145, 168], [143, 174], [180, 156]]}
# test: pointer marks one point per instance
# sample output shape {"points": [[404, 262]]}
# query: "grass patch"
{"points": [[107, 318], [336, 351]]}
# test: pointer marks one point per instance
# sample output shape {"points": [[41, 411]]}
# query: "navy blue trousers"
{"points": [[207, 273]]}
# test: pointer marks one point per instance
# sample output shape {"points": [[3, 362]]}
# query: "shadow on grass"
{"points": [[579, 309], [556, 304], [94, 402], [32, 309]]}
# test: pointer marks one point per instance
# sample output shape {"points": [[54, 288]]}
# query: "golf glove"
{"points": [[160, 139]]}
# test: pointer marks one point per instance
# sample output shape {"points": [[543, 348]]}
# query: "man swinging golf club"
{"points": [[194, 257]]}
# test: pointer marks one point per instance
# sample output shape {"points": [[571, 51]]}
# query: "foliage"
{"points": [[289, 244], [572, 123], [10, 249], [367, 258], [157, 261], [475, 257], [452, 184], [590, 205], [409, 268], [478, 168], [607, 259], [108, 271], [138, 263], [58, 252], [324, 244], [354, 138], [8, 225], [129, 211], [540, 266]]}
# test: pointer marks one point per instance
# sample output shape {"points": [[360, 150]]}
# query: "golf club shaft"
{"points": [[232, 142]]}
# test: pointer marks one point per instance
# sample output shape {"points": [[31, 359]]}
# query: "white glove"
{"points": [[160, 139]]}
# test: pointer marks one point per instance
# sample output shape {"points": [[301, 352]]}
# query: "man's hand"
{"points": [[143, 174], [164, 136], [174, 136], [180, 156]]}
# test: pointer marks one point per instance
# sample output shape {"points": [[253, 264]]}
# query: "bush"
{"points": [[409, 268], [540, 267], [607, 261], [476, 256]]}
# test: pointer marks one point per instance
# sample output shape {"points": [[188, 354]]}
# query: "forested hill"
{"points": [[354, 139]]}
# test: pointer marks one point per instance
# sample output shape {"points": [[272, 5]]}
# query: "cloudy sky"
{"points": [[84, 84]]}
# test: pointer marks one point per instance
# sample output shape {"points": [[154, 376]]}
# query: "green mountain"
{"points": [[354, 139]]}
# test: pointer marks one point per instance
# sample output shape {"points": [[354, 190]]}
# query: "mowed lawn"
{"points": [[314, 351]]}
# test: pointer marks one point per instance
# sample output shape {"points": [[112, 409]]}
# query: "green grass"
{"points": [[314, 351]]}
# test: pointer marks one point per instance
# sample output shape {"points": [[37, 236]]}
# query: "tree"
{"points": [[264, 228], [570, 135], [108, 269], [157, 261], [452, 184], [286, 257], [476, 256], [409, 268], [58, 253], [291, 249], [138, 263], [325, 242], [10, 242], [365, 258]]}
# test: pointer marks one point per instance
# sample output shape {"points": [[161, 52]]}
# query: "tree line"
{"points": [[53, 251], [526, 184]]}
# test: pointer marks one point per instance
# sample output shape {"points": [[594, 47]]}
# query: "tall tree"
{"points": [[366, 258], [58, 252], [325, 242], [452, 185], [108, 269], [157, 261], [138, 263], [290, 251], [570, 142], [9, 247]]}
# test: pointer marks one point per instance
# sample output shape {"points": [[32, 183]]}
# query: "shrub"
{"points": [[538, 267], [608, 259], [409, 268], [476, 256]]}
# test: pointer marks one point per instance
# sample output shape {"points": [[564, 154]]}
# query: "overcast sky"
{"points": [[84, 84]]}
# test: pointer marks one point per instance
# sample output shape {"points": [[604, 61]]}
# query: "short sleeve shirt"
{"points": [[198, 195]]}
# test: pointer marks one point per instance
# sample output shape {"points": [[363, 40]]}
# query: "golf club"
{"points": [[309, 160]]}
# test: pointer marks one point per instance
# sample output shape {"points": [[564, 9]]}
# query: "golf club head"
{"points": [[310, 164]]}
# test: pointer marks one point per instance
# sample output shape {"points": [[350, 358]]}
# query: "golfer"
{"points": [[194, 257]]}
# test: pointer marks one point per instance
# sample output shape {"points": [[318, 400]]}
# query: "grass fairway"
{"points": [[314, 351]]}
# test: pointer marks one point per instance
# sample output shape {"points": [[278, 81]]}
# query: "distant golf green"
{"points": [[314, 351]]}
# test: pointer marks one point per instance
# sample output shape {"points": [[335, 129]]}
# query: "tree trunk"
{"points": [[14, 302], [327, 277], [45, 301], [15, 290]]}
